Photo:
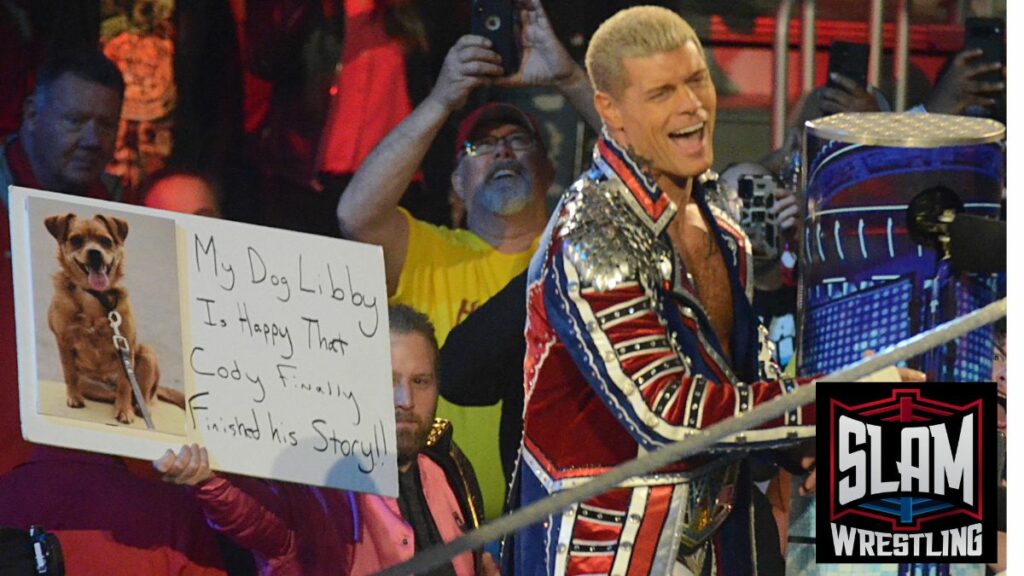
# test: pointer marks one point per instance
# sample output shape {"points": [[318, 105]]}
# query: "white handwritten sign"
{"points": [[283, 354], [289, 350]]}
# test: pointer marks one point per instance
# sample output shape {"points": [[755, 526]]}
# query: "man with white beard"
{"points": [[502, 175]]}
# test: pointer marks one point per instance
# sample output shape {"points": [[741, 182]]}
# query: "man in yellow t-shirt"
{"points": [[449, 273], [502, 175]]}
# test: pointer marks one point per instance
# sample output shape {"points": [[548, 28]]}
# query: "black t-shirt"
{"points": [[413, 506]]}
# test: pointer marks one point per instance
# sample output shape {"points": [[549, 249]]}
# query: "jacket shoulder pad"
{"points": [[606, 242]]}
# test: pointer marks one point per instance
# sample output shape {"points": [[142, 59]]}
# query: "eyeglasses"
{"points": [[518, 141]]}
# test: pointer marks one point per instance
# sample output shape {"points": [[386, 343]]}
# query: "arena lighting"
{"points": [[700, 442]]}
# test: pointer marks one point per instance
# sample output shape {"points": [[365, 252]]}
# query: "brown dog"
{"points": [[87, 286]]}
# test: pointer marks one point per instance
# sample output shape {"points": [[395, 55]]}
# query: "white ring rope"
{"points": [[697, 443]]}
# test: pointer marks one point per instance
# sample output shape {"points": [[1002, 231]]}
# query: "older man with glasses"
{"points": [[502, 175]]}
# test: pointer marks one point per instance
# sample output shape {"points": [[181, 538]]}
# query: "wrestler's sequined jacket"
{"points": [[621, 359]]}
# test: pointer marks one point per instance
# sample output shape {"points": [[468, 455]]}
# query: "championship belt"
{"points": [[869, 278], [708, 503]]}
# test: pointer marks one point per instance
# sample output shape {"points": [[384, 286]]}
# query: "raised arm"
{"points": [[236, 514], [368, 209], [962, 85], [545, 62]]}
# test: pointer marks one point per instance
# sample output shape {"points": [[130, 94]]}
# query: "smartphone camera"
{"points": [[495, 20]]}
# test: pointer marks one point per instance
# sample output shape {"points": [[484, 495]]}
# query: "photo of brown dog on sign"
{"points": [[88, 286]]}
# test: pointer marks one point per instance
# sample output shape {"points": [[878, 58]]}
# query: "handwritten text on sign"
{"points": [[289, 355]]}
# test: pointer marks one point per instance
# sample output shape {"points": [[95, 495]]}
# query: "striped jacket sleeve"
{"points": [[637, 351]]}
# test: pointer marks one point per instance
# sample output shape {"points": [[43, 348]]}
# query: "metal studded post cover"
{"points": [[906, 130], [606, 242], [865, 281]]}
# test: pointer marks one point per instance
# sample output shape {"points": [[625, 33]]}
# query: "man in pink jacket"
{"points": [[304, 530]]}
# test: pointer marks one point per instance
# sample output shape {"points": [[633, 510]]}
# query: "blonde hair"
{"points": [[633, 33]]}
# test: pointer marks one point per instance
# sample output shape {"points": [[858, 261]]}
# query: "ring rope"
{"points": [[699, 442]]}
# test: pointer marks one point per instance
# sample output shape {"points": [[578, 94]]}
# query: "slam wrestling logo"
{"points": [[911, 473]]}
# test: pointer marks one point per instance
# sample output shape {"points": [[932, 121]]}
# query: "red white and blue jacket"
{"points": [[621, 359]]}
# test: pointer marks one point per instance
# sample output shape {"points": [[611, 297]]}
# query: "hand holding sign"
{"points": [[190, 467]]}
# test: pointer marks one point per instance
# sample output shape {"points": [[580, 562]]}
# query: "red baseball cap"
{"points": [[495, 112]]}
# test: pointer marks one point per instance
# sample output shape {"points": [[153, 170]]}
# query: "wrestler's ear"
{"points": [[608, 109]]}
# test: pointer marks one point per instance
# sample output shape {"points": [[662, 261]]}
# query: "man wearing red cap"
{"points": [[502, 175]]}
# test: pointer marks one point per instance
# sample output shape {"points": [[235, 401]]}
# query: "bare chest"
{"points": [[694, 241]]}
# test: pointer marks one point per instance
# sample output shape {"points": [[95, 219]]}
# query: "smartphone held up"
{"points": [[496, 21]]}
